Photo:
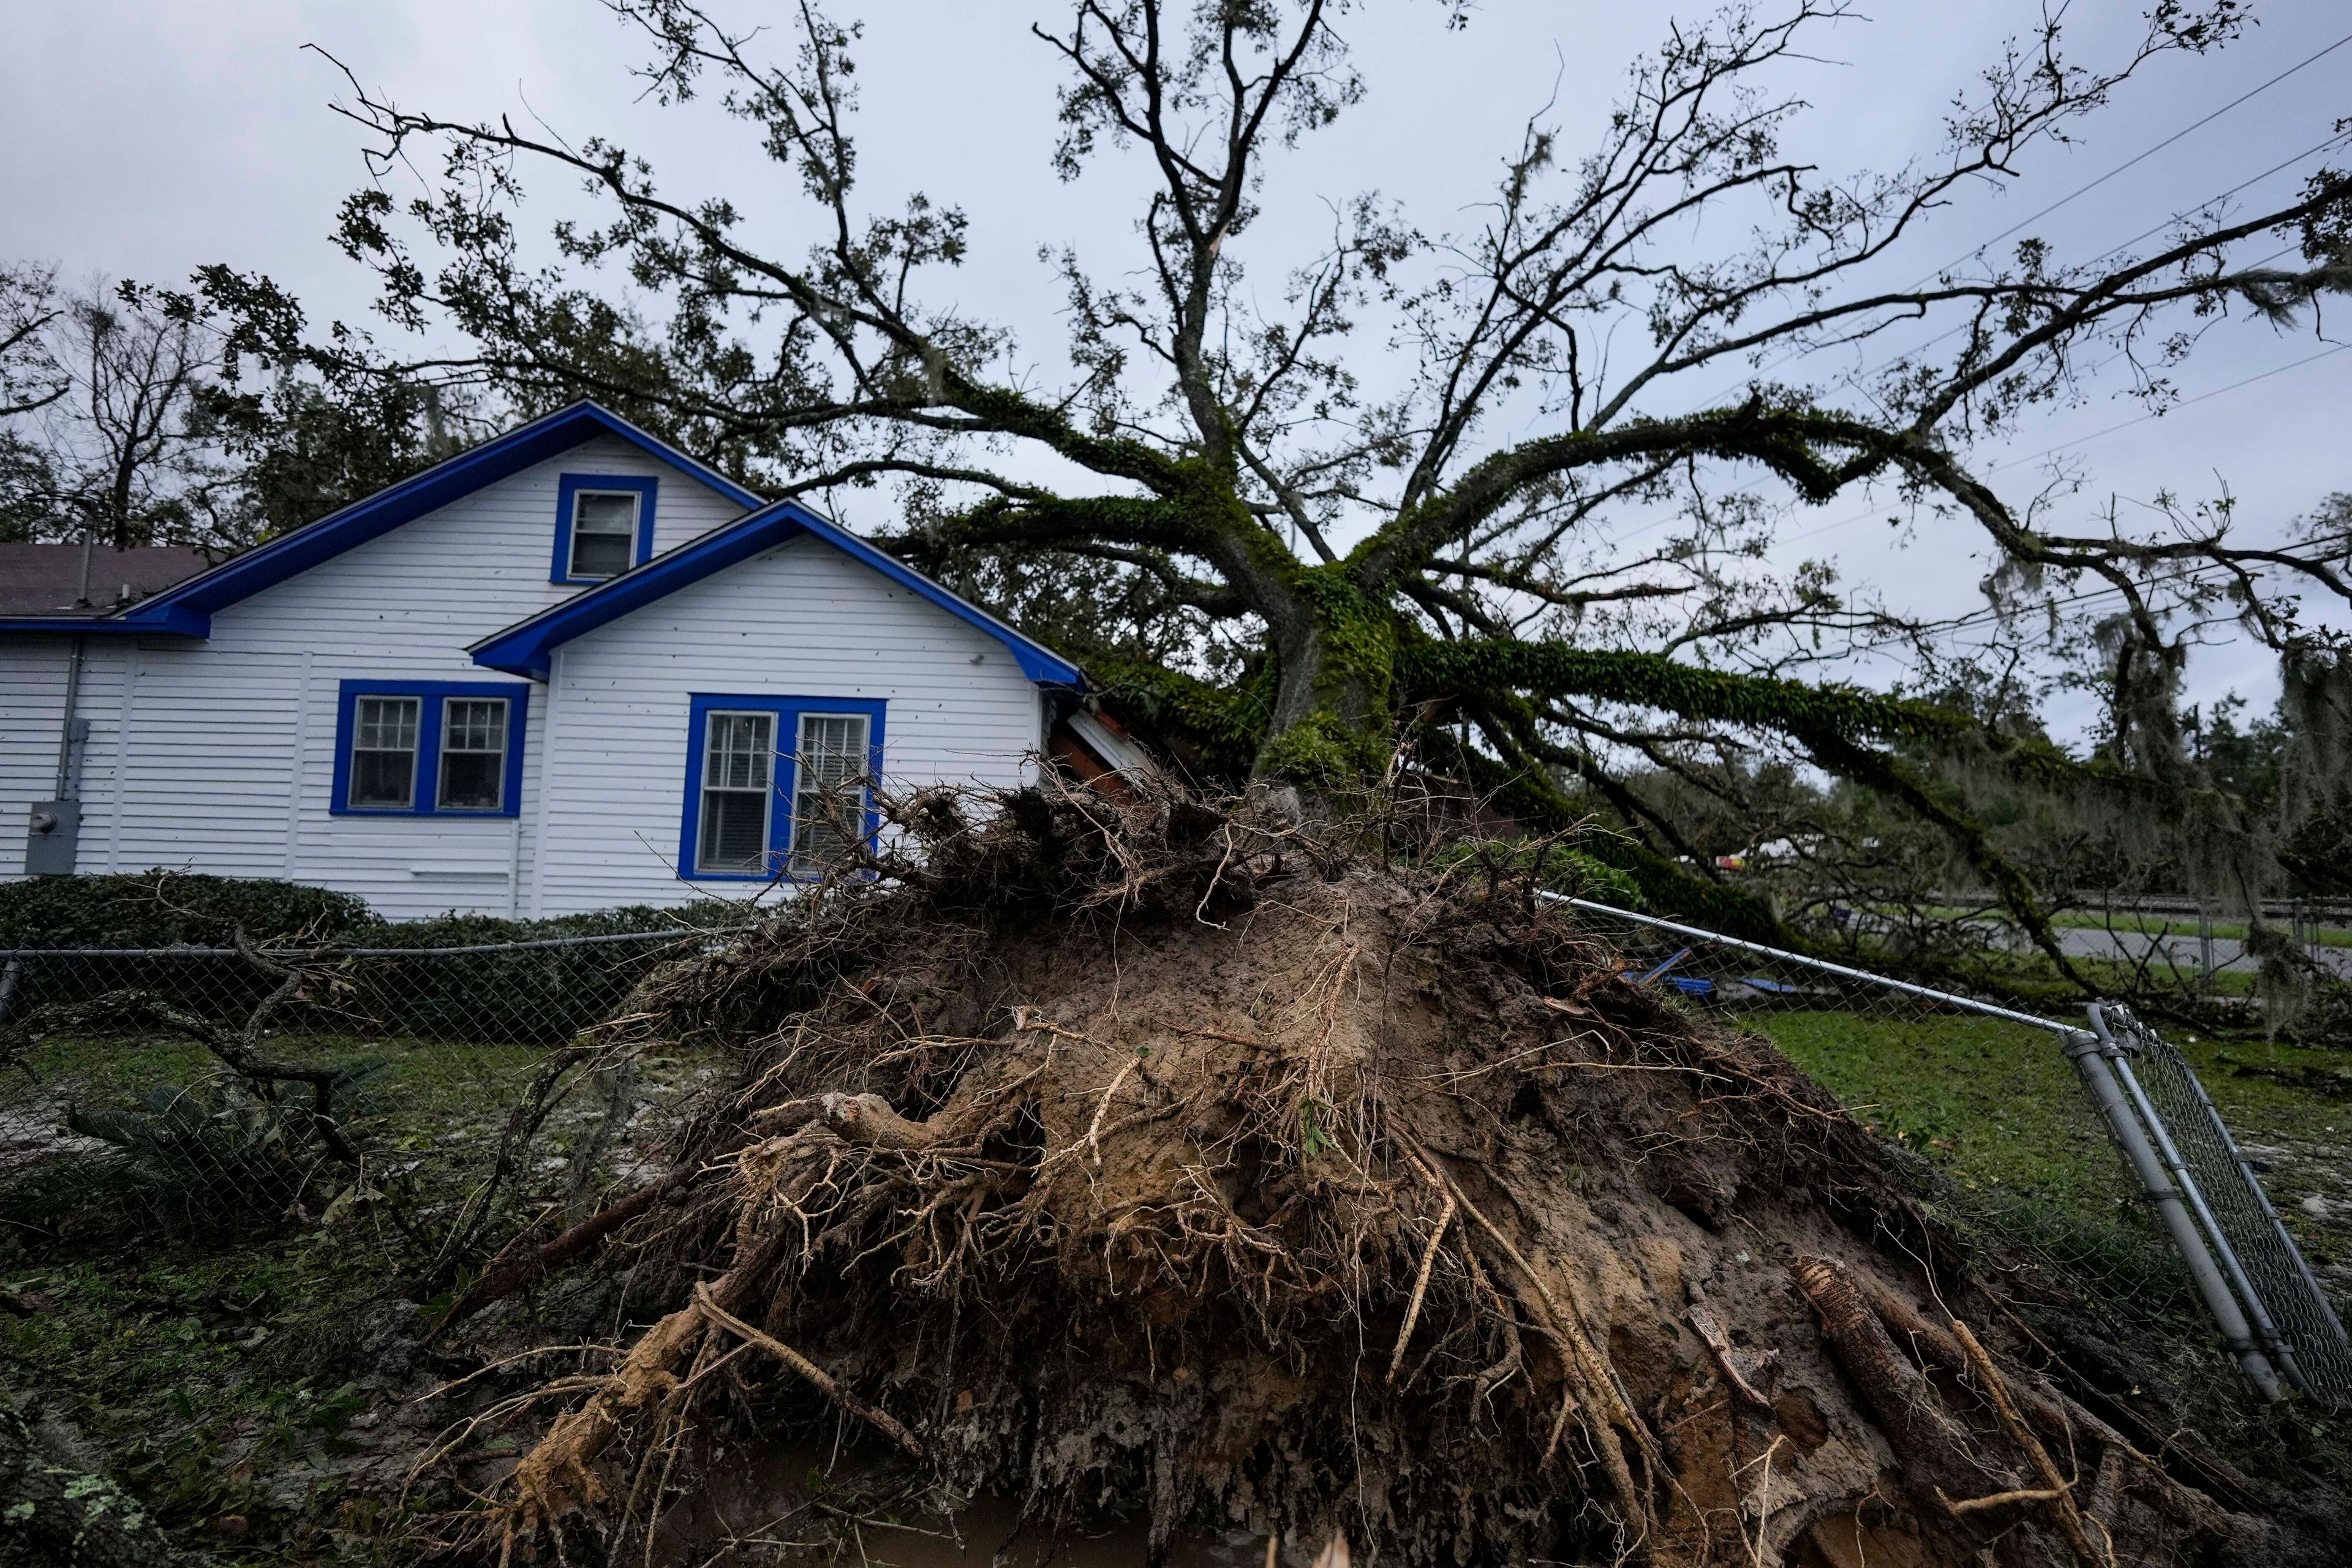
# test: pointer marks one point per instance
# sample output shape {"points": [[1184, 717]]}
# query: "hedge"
{"points": [[537, 996]]}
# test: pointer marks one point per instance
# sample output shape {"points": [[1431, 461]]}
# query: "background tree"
{"points": [[147, 416], [1295, 574]]}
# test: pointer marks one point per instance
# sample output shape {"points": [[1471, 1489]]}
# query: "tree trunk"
{"points": [[1335, 652]]}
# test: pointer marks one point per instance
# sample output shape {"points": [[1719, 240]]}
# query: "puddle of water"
{"points": [[794, 1505]]}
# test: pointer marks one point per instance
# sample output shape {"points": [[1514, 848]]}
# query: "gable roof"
{"points": [[527, 646], [186, 609]]}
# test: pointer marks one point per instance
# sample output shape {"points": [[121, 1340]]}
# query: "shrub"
{"points": [[164, 908]]}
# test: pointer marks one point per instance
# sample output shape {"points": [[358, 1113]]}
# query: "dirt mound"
{"points": [[1127, 1159]]}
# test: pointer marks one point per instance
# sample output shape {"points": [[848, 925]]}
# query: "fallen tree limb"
{"points": [[129, 1011], [505, 1275]]}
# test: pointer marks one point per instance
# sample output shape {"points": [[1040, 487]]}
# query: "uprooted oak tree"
{"points": [[1500, 491], [1132, 1158]]}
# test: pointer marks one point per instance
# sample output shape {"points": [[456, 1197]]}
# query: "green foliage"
{"points": [[163, 908], [1217, 728], [1323, 751], [209, 1156], [1573, 869], [307, 450]]}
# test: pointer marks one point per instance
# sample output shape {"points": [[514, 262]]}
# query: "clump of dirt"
{"points": [[1129, 1157]]}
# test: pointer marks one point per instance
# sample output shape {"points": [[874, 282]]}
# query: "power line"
{"points": [[2110, 174], [2161, 412], [2152, 151], [2223, 196]]}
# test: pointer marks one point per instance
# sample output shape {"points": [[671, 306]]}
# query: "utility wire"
{"points": [[2130, 163], [2152, 151], [2184, 403]]}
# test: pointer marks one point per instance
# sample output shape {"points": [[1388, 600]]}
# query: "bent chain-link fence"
{"points": [[2288, 1314], [223, 1088], [1919, 1065]]}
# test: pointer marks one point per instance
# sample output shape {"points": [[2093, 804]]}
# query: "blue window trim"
{"points": [[788, 711], [567, 492], [431, 695]]}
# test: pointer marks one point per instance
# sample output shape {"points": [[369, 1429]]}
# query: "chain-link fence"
{"points": [[1998, 1097], [223, 1088], [2288, 1315], [228, 1087]]}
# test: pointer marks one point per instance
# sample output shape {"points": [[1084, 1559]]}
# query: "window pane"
{"points": [[473, 753], [737, 753], [604, 514], [383, 752], [734, 830], [829, 792], [600, 554], [387, 723], [737, 771]]}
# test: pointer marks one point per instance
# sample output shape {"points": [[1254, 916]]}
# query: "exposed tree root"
{"points": [[1376, 1203]]}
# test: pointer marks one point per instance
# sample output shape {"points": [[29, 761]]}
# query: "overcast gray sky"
{"points": [[146, 138]]}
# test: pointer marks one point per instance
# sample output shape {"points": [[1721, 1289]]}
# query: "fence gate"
{"points": [[2182, 1162], [2252, 1276]]}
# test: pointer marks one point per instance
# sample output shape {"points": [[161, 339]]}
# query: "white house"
{"points": [[568, 669]]}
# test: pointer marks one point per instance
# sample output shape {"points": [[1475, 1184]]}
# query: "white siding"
{"points": [[802, 620], [32, 709], [230, 761]]}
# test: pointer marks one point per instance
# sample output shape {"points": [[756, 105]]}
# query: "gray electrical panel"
{"points": [[55, 833]]}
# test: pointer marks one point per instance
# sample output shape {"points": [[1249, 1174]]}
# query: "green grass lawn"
{"points": [[2000, 1108], [209, 1343], [1995, 1103], [2174, 925]]}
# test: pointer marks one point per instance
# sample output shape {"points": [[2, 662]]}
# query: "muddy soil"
{"points": [[1193, 1189]]}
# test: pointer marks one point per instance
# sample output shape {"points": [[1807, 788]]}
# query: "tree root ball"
{"points": [[1131, 1161]]}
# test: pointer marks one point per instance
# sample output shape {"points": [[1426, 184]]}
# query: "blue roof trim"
{"points": [[179, 623], [526, 647], [187, 608]]}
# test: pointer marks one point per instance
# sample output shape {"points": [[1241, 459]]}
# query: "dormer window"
{"points": [[603, 526], [604, 533]]}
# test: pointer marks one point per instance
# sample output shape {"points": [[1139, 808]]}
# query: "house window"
{"points": [[425, 748], [738, 757], [473, 753], [604, 533], [604, 525], [829, 801], [777, 786], [384, 753]]}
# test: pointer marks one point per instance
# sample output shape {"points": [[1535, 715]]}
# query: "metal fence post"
{"points": [[2093, 1058]]}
